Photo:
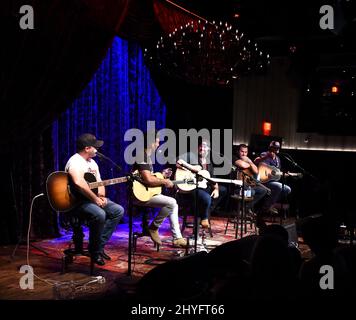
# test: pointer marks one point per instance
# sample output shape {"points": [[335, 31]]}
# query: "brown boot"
{"points": [[205, 223], [180, 243], [154, 235]]}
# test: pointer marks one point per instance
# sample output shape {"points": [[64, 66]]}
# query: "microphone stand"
{"points": [[296, 165], [244, 177], [283, 198], [129, 205], [242, 209], [101, 156], [130, 180], [197, 176], [196, 213]]}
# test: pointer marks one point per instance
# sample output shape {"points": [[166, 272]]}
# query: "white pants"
{"points": [[169, 208]]}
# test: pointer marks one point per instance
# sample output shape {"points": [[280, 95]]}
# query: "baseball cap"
{"points": [[88, 140], [275, 144]]}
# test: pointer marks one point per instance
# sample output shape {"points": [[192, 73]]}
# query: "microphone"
{"points": [[102, 156]]}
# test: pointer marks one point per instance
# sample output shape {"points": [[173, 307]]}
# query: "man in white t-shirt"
{"points": [[103, 214]]}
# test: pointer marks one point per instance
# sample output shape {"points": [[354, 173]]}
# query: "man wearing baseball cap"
{"points": [[102, 213], [271, 158]]}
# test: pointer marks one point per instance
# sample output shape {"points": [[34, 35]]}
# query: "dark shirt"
{"points": [[146, 164], [276, 162]]}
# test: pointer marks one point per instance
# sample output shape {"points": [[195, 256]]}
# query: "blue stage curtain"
{"points": [[120, 96]]}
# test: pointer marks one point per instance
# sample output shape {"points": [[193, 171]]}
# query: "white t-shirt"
{"points": [[78, 162]]}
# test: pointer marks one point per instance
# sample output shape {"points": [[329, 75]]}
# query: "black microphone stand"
{"points": [[295, 165], [196, 213], [101, 156], [129, 206], [130, 179], [284, 197], [242, 209]]}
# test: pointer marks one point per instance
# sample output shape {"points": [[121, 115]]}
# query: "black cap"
{"points": [[88, 140], [275, 145]]}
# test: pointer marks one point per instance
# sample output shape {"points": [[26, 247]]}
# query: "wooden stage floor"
{"points": [[118, 284]]}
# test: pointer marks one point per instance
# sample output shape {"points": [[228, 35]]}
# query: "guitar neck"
{"points": [[93, 185], [217, 180], [178, 181]]}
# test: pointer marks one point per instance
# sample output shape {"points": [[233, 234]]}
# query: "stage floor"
{"points": [[118, 284]]}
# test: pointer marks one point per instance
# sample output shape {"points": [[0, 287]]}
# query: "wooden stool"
{"points": [[237, 214]]}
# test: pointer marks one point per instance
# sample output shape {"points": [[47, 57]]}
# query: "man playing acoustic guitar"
{"points": [[102, 213], [210, 192], [168, 205], [271, 158]]}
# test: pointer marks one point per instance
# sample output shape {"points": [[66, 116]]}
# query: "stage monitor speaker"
{"points": [[175, 280]]}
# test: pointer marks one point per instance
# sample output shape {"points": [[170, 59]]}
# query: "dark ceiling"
{"points": [[285, 26]]}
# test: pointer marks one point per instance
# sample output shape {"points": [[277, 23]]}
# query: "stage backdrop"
{"points": [[120, 96]]}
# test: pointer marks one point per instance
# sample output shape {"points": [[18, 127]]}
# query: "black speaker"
{"points": [[176, 280]]}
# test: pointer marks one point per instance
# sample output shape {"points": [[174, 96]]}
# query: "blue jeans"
{"points": [[258, 194], [102, 223], [276, 192], [204, 201]]}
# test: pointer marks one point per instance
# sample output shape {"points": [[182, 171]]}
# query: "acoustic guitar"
{"points": [[144, 193], [268, 173], [63, 196]]}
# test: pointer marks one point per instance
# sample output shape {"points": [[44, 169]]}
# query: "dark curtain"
{"points": [[120, 96], [45, 68], [41, 72]]}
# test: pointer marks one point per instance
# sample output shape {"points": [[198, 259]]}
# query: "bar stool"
{"points": [[76, 223], [236, 212], [145, 213], [283, 211]]}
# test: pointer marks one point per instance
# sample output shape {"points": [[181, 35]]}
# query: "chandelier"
{"points": [[206, 53]]}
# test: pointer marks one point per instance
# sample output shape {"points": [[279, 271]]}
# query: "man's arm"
{"points": [[152, 181], [80, 183], [246, 163], [262, 158]]}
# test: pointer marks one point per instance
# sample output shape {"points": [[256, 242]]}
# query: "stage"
{"points": [[118, 284]]}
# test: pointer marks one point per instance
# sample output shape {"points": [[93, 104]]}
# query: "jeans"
{"points": [[276, 192], [204, 201], [102, 223], [169, 208], [258, 194]]}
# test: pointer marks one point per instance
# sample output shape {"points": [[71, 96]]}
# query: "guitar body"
{"points": [[60, 193], [268, 173], [184, 174], [144, 193], [63, 196], [248, 176]]}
